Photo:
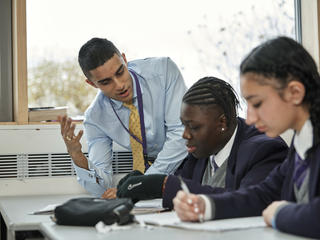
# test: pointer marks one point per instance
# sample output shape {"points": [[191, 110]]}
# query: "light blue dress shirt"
{"points": [[162, 88]]}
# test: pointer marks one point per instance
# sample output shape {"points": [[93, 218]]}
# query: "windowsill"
{"points": [[31, 125], [35, 123]]}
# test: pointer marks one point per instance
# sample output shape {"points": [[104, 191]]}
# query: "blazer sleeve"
{"points": [[264, 155], [173, 186], [256, 159], [300, 219], [252, 200]]}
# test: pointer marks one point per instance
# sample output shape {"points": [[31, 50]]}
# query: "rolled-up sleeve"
{"points": [[99, 176]]}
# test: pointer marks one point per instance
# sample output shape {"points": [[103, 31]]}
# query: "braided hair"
{"points": [[284, 60], [210, 91]]}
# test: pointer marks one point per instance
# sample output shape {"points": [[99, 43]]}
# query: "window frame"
{"points": [[5, 61], [19, 62], [306, 23]]}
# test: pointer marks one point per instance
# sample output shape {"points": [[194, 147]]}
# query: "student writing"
{"points": [[281, 84], [224, 153]]}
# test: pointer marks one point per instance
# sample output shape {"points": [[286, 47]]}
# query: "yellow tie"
{"points": [[135, 129]]}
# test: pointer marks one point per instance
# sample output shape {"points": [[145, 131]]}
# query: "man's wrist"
{"points": [[80, 160], [75, 154]]}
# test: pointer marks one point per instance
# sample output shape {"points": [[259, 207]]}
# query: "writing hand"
{"points": [[189, 207]]}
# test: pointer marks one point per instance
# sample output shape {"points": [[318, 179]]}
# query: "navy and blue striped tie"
{"points": [[300, 170], [214, 164]]}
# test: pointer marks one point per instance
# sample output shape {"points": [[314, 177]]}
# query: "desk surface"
{"points": [[56, 232], [15, 211]]}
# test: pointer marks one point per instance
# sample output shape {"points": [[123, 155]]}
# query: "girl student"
{"points": [[281, 84]]}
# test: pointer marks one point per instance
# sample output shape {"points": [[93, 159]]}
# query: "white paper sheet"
{"points": [[154, 203], [170, 219], [148, 206]]}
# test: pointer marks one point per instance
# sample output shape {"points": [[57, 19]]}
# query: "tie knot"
{"points": [[214, 164], [129, 105]]}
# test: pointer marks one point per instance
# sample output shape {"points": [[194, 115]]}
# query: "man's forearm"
{"points": [[80, 160]]}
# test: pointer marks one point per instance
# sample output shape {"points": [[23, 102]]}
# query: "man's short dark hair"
{"points": [[95, 53]]}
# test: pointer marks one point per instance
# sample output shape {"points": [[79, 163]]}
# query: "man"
{"points": [[224, 153], [137, 107]]}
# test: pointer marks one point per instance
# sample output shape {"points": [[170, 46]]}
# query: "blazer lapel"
{"points": [[288, 192], [234, 150], [199, 169]]}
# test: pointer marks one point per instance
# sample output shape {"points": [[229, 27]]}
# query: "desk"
{"points": [[14, 211], [56, 232]]}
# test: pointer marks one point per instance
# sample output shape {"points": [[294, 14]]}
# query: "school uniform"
{"points": [[253, 155], [302, 215]]}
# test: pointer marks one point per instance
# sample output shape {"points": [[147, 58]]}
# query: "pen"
{"points": [[183, 185], [186, 190]]}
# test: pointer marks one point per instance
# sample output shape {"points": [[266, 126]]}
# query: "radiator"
{"points": [[37, 154]]}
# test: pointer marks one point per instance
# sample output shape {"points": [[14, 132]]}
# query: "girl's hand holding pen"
{"points": [[189, 207]]}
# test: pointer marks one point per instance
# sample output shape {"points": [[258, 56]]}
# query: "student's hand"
{"points": [[72, 141], [269, 212], [189, 207], [110, 193], [142, 187]]}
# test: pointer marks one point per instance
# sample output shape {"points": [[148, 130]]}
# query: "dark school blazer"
{"points": [[252, 157], [299, 219]]}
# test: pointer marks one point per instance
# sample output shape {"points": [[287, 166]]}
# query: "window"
{"points": [[205, 37]]}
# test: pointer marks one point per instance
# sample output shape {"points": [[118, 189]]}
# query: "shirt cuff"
{"points": [[86, 175], [274, 218], [208, 208]]}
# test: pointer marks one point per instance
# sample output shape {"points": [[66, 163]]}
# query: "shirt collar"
{"points": [[224, 153], [303, 140]]}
